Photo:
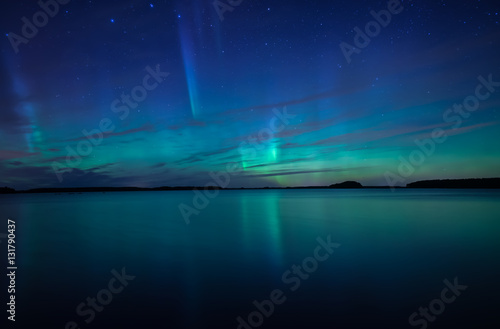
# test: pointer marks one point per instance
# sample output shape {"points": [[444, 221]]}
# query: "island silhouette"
{"points": [[470, 183]]}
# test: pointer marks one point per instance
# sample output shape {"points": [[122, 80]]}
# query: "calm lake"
{"points": [[368, 259]]}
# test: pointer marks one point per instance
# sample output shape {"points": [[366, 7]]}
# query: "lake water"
{"points": [[392, 252]]}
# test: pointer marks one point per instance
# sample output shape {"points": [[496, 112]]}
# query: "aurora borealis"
{"points": [[223, 81]]}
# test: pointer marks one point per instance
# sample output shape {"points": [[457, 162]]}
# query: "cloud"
{"points": [[314, 124], [190, 123], [370, 135], [335, 92], [280, 162], [27, 177], [132, 141], [146, 127], [200, 155], [291, 172], [158, 165], [190, 159], [11, 121], [10, 154], [98, 168], [463, 130]]}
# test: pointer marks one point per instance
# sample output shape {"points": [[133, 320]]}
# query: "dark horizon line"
{"points": [[466, 183]]}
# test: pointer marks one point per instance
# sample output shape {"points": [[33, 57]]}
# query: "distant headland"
{"points": [[472, 183], [485, 183]]}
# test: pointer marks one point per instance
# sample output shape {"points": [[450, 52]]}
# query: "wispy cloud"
{"points": [[11, 154], [146, 127], [158, 165], [201, 155], [297, 172]]}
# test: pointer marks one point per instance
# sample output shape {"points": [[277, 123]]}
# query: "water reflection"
{"points": [[396, 250], [261, 225]]}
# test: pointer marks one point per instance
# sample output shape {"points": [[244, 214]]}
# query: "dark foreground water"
{"points": [[368, 259]]}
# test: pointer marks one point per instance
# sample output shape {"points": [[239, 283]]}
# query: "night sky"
{"points": [[267, 88]]}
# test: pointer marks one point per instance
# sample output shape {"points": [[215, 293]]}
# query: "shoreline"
{"points": [[473, 183]]}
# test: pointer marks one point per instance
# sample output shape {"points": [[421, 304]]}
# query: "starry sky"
{"points": [[264, 86]]}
